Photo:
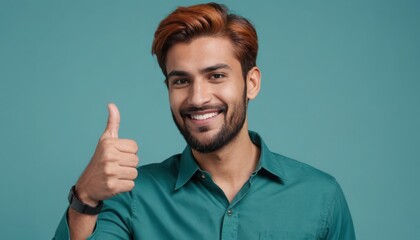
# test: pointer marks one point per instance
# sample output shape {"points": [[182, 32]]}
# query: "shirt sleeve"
{"points": [[62, 231], [339, 223], [114, 220]]}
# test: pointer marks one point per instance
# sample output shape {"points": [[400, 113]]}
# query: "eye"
{"points": [[181, 81], [217, 76]]}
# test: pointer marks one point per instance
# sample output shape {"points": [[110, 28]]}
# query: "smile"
{"points": [[203, 116]]}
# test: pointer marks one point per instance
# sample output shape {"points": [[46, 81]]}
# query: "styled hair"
{"points": [[212, 20]]}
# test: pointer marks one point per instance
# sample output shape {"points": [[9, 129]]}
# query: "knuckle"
{"points": [[108, 170], [110, 187], [107, 156]]}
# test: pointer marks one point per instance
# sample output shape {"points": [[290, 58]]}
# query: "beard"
{"points": [[229, 130]]}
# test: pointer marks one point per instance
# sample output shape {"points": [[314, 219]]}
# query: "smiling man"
{"points": [[226, 184]]}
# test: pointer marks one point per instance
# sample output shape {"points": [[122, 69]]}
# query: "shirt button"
{"points": [[229, 212], [203, 176]]}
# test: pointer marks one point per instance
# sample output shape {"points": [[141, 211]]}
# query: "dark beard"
{"points": [[226, 134]]}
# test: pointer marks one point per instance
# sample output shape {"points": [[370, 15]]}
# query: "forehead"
{"points": [[201, 53]]}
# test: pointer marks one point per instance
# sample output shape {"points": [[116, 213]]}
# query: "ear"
{"points": [[253, 82]]}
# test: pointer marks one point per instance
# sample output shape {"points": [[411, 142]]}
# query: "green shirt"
{"points": [[175, 199]]}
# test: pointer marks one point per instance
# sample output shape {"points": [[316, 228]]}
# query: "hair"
{"points": [[206, 20]]}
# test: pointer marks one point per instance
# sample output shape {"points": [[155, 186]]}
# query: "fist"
{"points": [[113, 167]]}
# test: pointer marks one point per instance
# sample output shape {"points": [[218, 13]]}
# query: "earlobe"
{"points": [[253, 81]]}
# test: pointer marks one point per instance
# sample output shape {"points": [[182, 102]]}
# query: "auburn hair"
{"points": [[211, 19]]}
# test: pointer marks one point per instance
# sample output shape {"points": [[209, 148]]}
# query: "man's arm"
{"points": [[339, 221], [111, 171], [81, 225]]}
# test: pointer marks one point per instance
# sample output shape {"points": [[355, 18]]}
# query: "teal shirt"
{"points": [[175, 199]]}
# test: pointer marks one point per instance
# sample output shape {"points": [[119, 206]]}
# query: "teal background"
{"points": [[340, 92]]}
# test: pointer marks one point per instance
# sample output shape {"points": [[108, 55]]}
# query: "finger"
{"points": [[125, 185], [113, 123], [127, 146], [127, 173], [128, 160]]}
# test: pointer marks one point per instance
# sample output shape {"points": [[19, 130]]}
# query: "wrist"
{"points": [[83, 207], [84, 197]]}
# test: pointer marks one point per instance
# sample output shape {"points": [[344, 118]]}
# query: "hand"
{"points": [[113, 167]]}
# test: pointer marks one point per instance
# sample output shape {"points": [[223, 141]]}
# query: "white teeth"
{"points": [[204, 116]]}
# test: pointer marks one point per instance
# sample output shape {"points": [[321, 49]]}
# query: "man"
{"points": [[226, 184]]}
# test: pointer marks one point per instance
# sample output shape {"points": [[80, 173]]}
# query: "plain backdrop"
{"points": [[340, 91]]}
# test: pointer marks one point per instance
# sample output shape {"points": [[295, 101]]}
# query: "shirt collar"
{"points": [[188, 166], [268, 160]]}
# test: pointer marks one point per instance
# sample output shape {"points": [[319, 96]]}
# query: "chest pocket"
{"points": [[286, 236]]}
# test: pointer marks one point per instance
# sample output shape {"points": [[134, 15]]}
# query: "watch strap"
{"points": [[81, 207]]}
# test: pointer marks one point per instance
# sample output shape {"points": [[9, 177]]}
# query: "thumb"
{"points": [[113, 124]]}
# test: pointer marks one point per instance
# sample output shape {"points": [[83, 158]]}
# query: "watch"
{"points": [[80, 206]]}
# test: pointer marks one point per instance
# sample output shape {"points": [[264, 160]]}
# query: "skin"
{"points": [[232, 164], [112, 169]]}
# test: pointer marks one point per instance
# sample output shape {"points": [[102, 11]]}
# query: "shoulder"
{"points": [[289, 170], [300, 173]]}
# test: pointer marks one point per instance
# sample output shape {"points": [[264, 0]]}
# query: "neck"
{"points": [[232, 165]]}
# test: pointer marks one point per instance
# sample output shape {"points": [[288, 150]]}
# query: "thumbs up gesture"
{"points": [[112, 169]]}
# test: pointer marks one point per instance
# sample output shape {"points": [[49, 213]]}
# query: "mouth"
{"points": [[203, 114]]}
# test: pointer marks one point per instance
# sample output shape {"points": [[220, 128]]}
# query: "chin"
{"points": [[206, 136]]}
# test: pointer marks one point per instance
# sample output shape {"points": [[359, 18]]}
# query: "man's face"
{"points": [[207, 92]]}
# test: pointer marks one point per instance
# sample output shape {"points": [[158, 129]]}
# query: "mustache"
{"points": [[191, 110]]}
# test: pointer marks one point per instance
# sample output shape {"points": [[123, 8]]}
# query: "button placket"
{"points": [[229, 212], [230, 225]]}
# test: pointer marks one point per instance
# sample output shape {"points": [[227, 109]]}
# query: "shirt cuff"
{"points": [[63, 231]]}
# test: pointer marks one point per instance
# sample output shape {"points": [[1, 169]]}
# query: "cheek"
{"points": [[231, 93], [175, 102]]}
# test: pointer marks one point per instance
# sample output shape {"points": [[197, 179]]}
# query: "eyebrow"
{"points": [[179, 73], [214, 68]]}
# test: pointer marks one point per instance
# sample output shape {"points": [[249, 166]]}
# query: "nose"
{"points": [[199, 93]]}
